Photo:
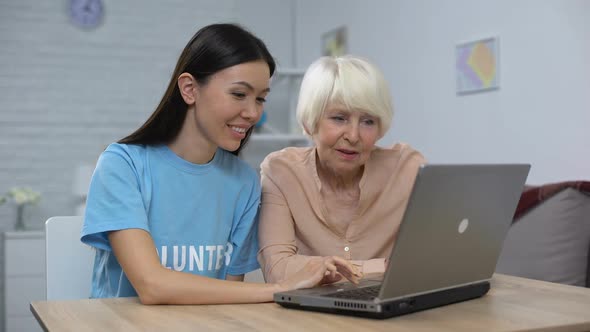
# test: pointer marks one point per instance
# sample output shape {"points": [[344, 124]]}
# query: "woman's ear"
{"points": [[188, 88]]}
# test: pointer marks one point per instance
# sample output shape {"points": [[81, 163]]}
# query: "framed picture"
{"points": [[477, 66], [335, 42]]}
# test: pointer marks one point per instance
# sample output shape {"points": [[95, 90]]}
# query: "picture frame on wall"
{"points": [[335, 42], [477, 66]]}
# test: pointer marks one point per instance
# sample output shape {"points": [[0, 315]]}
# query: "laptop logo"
{"points": [[463, 225]]}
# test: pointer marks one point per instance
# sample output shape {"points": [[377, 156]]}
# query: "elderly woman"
{"points": [[344, 197]]}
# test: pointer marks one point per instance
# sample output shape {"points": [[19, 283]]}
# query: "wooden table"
{"points": [[513, 304]]}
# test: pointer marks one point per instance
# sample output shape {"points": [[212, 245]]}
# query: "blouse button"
{"points": [[346, 249]]}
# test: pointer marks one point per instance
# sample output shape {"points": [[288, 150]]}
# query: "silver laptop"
{"points": [[447, 247]]}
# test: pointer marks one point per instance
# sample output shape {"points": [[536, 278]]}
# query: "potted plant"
{"points": [[22, 197]]}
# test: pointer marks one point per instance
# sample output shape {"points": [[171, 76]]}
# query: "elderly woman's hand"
{"points": [[322, 270], [344, 268]]}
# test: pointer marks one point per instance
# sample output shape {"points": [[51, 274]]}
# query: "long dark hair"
{"points": [[213, 48]]}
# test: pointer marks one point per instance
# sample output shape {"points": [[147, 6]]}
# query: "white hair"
{"points": [[350, 81]]}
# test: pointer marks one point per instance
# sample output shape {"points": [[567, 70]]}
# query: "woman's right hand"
{"points": [[322, 270]]}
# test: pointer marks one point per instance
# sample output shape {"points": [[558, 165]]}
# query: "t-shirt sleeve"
{"points": [[114, 199], [244, 237]]}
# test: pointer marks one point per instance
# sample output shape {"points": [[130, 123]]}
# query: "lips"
{"points": [[348, 152], [348, 155], [238, 131]]}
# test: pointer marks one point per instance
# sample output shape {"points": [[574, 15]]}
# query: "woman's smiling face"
{"points": [[231, 102]]}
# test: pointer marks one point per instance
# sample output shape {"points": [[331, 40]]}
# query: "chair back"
{"points": [[69, 262]]}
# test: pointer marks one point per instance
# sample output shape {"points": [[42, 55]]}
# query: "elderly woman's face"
{"points": [[345, 139]]}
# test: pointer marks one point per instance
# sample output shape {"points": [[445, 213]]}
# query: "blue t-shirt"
{"points": [[202, 218]]}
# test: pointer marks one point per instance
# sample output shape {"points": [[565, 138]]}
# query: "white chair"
{"points": [[69, 262]]}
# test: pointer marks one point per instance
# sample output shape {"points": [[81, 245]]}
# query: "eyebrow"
{"points": [[338, 110], [249, 86]]}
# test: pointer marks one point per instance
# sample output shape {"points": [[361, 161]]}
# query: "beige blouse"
{"points": [[294, 223]]}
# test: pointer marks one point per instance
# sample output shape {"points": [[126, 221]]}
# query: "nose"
{"points": [[352, 132], [252, 112]]}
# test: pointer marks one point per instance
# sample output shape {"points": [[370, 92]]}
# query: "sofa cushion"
{"points": [[551, 242], [534, 195]]}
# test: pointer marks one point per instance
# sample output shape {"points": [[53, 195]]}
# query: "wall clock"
{"points": [[86, 13]]}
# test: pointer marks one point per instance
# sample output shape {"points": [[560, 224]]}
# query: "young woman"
{"points": [[171, 210]]}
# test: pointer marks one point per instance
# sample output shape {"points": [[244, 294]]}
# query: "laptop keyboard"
{"points": [[365, 293]]}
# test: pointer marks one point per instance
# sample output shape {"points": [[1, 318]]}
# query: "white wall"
{"points": [[539, 115]]}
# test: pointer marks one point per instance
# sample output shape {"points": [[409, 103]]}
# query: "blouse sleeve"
{"points": [[278, 249]]}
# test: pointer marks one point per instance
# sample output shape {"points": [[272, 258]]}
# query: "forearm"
{"points": [[172, 287], [156, 284], [280, 264], [234, 277]]}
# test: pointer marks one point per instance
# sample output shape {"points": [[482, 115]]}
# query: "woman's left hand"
{"points": [[320, 271]]}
